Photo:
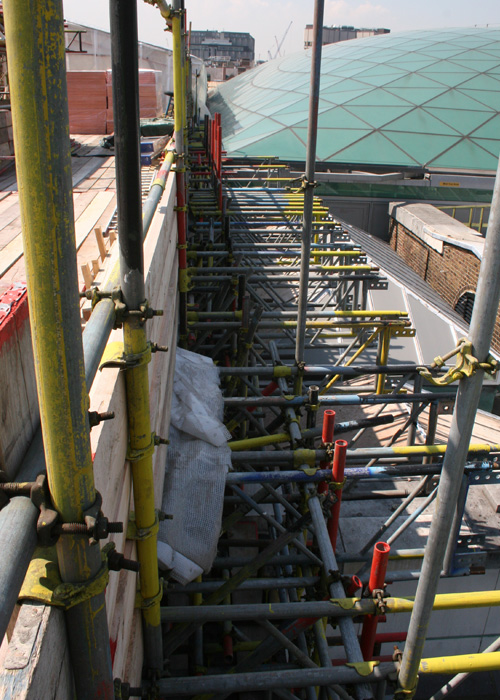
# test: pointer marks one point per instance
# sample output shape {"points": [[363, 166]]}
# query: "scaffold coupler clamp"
{"points": [[144, 313], [337, 486], [313, 394], [307, 184], [465, 365], [115, 357], [48, 518], [95, 295], [43, 583], [300, 367], [148, 603], [378, 598], [144, 533], [400, 693], [124, 691], [329, 448], [334, 576]]}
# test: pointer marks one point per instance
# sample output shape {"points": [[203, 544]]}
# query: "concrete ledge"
{"points": [[435, 228]]}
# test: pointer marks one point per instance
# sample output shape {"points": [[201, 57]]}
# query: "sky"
{"points": [[268, 20]]}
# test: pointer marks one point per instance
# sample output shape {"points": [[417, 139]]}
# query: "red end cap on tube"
{"points": [[328, 426]]}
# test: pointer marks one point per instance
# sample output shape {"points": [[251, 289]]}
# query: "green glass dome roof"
{"points": [[422, 98]]}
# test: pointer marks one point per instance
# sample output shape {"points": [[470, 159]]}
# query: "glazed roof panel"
{"points": [[399, 88]]}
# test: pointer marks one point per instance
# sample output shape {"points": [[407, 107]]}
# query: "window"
{"points": [[465, 305]]}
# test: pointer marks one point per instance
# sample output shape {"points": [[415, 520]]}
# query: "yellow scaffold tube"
{"points": [[186, 87], [349, 362], [461, 663], [37, 78], [383, 357], [443, 601], [178, 74], [250, 443], [140, 455]]}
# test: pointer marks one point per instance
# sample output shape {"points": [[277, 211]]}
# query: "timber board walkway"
{"points": [[94, 198]]}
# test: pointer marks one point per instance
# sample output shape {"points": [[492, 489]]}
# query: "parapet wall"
{"points": [[442, 251]]}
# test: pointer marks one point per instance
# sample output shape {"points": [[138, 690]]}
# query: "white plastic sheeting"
{"points": [[198, 460]]}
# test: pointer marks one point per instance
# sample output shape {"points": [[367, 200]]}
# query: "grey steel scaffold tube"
{"points": [[480, 334], [309, 180]]}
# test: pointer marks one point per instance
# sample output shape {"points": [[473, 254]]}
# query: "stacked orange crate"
{"points": [[87, 101], [149, 96], [110, 127]]}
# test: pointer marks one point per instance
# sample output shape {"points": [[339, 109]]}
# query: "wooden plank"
{"points": [[109, 264], [8, 199], [8, 182], [100, 241], [114, 483], [81, 201], [161, 290], [11, 213], [162, 393], [44, 670], [16, 273], [87, 275], [125, 620], [12, 229], [88, 219], [108, 439], [10, 232], [89, 249], [112, 475], [18, 398], [135, 654], [87, 139], [87, 169], [107, 215], [11, 254], [118, 512]]}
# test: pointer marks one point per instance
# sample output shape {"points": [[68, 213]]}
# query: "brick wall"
{"points": [[451, 273]]}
